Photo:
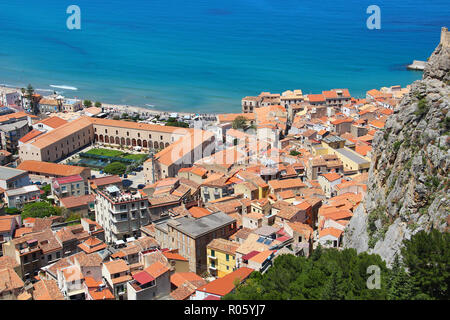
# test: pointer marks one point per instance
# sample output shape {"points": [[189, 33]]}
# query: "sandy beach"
{"points": [[118, 108]]}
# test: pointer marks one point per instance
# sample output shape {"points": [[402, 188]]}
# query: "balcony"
{"points": [[212, 257], [212, 267]]}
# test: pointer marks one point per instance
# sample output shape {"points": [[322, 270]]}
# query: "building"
{"points": [[46, 171], [11, 178], [221, 257], [82, 206], [69, 186], [183, 153], [33, 251], [152, 283], [60, 142], [121, 213], [17, 198], [49, 105], [117, 274], [222, 286], [191, 236], [11, 284]]}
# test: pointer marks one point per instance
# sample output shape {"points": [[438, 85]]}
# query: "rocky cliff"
{"points": [[408, 179]]}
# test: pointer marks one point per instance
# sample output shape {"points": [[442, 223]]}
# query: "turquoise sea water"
{"points": [[205, 55]]}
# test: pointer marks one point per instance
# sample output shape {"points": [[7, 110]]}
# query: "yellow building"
{"points": [[221, 257]]}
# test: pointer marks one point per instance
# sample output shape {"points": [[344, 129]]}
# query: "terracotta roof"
{"points": [[174, 256], [178, 278], [332, 176], [47, 290], [184, 291], [156, 269], [22, 231], [198, 212], [116, 266], [53, 122], [223, 245], [330, 231], [104, 294], [9, 280], [225, 285], [286, 184], [92, 245], [49, 168], [77, 201], [8, 262], [262, 256], [316, 98], [30, 135], [57, 134]]}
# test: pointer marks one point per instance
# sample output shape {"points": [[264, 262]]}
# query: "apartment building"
{"points": [[152, 283], [191, 236], [121, 213], [18, 198], [69, 186], [34, 251], [221, 257], [11, 178]]}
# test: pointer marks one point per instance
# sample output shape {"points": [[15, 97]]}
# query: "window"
{"points": [[213, 253], [228, 259]]}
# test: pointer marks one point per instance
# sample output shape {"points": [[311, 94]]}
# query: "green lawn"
{"points": [[135, 156], [117, 153], [105, 152]]}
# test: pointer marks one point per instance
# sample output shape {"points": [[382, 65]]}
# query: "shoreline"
{"points": [[119, 108]]}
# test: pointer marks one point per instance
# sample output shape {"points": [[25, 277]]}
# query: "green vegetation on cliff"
{"points": [[330, 274]]}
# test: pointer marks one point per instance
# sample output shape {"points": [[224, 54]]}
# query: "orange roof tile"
{"points": [[49, 168], [226, 284]]}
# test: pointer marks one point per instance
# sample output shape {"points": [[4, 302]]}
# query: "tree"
{"points": [[327, 274], [39, 209], [98, 104], [12, 211], [294, 153], [427, 257], [29, 94], [87, 103], [115, 168], [400, 284], [239, 122]]}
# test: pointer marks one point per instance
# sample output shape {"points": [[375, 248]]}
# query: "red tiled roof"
{"points": [[30, 135], [143, 277], [53, 122]]}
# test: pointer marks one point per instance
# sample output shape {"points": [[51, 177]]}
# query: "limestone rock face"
{"points": [[438, 66], [409, 175]]}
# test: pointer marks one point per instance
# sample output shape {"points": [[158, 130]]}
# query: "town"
{"points": [[102, 203]]}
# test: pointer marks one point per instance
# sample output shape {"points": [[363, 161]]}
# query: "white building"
{"points": [[121, 213]]}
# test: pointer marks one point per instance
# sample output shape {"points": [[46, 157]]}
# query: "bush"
{"points": [[115, 168], [39, 210]]}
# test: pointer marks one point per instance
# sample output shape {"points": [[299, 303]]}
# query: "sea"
{"points": [[206, 55]]}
